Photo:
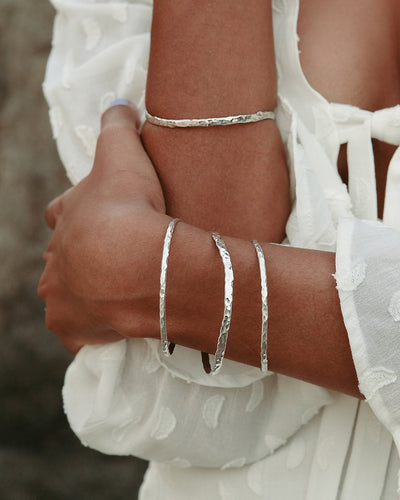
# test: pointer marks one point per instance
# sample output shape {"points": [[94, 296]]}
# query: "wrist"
{"points": [[224, 197], [195, 282], [133, 265], [195, 294]]}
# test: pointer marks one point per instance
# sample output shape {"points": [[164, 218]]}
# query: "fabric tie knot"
{"points": [[356, 128]]}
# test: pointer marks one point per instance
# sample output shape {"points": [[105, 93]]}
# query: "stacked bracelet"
{"points": [[210, 122], [228, 299], [264, 305], [166, 348]]}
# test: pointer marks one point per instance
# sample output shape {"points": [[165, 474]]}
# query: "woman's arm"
{"points": [[207, 60], [100, 293], [214, 60], [307, 338]]}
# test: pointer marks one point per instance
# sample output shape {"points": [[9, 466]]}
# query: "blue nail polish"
{"points": [[120, 102]]}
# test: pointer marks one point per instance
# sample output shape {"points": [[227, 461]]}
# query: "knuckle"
{"points": [[52, 212], [55, 208], [52, 322], [46, 256], [42, 287], [70, 345], [42, 291]]}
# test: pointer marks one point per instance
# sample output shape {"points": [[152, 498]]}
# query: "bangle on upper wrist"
{"points": [[210, 122]]}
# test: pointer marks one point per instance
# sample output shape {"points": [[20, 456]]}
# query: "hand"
{"points": [[108, 233]]}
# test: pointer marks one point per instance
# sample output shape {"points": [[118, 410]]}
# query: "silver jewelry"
{"points": [[210, 122], [264, 305], [166, 348], [226, 320]]}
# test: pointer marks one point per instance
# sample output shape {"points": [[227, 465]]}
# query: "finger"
{"points": [[42, 287], [71, 345], [54, 209], [52, 212]]}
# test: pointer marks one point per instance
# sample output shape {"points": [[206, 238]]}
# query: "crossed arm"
{"points": [[229, 179]]}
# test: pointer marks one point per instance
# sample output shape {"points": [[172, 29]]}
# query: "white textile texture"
{"points": [[368, 281]]}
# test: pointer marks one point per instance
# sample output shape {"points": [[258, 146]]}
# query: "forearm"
{"points": [[211, 59], [217, 60], [103, 292], [190, 76], [307, 338]]}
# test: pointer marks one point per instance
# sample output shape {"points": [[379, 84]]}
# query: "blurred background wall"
{"points": [[40, 458]]}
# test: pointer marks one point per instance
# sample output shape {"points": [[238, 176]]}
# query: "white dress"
{"points": [[241, 434]]}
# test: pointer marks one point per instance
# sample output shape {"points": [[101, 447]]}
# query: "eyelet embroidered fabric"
{"points": [[248, 435]]}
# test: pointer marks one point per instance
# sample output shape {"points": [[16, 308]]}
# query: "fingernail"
{"points": [[120, 102]]}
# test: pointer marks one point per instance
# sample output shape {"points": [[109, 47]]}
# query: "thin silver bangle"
{"points": [[210, 122], [166, 348], [264, 305], [228, 298]]}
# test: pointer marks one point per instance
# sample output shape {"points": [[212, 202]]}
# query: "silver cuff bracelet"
{"points": [[264, 305], [210, 122], [228, 298], [166, 349]]}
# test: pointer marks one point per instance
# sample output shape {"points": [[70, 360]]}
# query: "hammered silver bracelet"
{"points": [[166, 348], [228, 298], [264, 305], [210, 122]]}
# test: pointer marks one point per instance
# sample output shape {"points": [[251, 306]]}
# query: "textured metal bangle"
{"points": [[264, 305], [210, 122], [166, 348], [228, 298]]}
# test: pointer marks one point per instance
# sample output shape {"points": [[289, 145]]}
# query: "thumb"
{"points": [[121, 158], [121, 112], [119, 144]]}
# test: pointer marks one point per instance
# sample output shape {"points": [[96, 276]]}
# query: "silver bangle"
{"points": [[228, 298], [264, 305], [166, 348], [210, 122]]}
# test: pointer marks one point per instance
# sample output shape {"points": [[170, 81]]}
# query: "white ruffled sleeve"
{"points": [[100, 53], [368, 282], [120, 400]]}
